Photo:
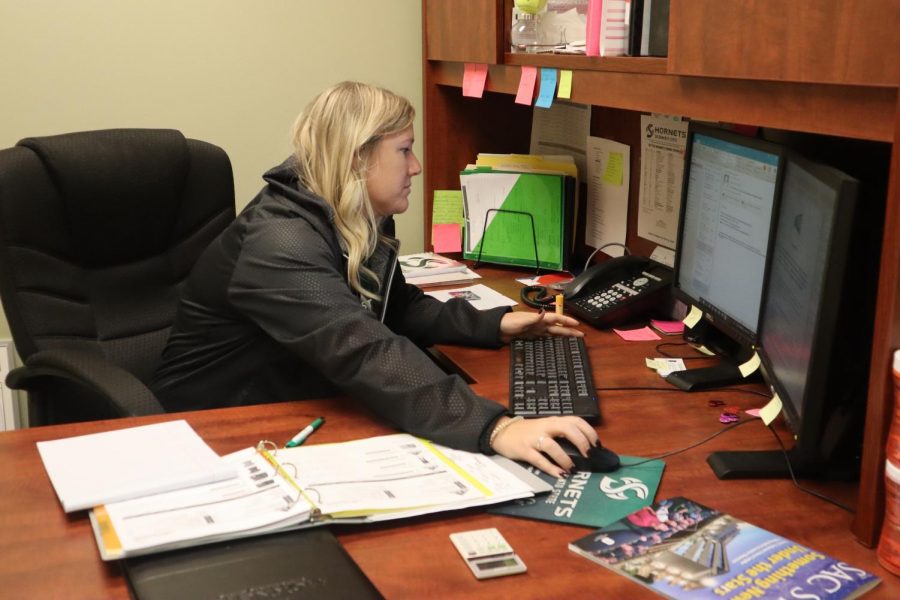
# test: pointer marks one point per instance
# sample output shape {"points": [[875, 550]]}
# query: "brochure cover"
{"points": [[591, 499], [684, 550], [427, 264]]}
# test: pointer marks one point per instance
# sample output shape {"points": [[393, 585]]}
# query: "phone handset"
{"points": [[604, 274]]}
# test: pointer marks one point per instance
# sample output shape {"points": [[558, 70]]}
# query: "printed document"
{"points": [[662, 164]]}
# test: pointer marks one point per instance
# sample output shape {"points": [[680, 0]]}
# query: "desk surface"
{"points": [[48, 554]]}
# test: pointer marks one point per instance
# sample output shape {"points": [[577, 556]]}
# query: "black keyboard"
{"points": [[551, 376]]}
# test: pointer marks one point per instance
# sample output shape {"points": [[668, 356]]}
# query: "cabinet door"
{"points": [[464, 30], [813, 41]]}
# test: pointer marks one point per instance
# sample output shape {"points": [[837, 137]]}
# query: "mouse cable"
{"points": [[766, 395], [692, 446], [811, 492], [787, 460]]}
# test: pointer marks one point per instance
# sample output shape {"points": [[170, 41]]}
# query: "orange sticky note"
{"points": [[474, 79], [445, 237], [526, 85]]}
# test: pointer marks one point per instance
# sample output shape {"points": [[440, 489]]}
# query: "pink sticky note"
{"points": [[753, 412], [445, 237], [526, 85], [670, 327], [644, 334], [592, 34], [474, 78]]}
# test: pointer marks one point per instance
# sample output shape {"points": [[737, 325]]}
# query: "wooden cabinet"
{"points": [[828, 69]]}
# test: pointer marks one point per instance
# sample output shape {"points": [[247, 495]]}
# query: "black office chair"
{"points": [[98, 231]]}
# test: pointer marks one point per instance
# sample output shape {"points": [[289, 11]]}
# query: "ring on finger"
{"points": [[540, 442]]}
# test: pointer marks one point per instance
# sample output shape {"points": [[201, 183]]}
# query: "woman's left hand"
{"points": [[530, 324]]}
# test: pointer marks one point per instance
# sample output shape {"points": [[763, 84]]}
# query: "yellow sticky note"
{"points": [[693, 317], [771, 410], [651, 363], [447, 207], [565, 84], [613, 172], [705, 350], [750, 366]]}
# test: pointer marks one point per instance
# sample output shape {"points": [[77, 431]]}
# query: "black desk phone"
{"points": [[617, 290], [611, 293]]}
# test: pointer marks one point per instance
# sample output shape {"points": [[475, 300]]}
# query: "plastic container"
{"points": [[524, 36], [889, 544]]}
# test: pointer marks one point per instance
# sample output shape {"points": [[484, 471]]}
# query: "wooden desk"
{"points": [[45, 553]]}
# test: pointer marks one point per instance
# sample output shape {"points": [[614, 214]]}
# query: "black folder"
{"points": [[293, 565]]}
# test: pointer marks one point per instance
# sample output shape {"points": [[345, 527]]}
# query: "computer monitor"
{"points": [[729, 200], [813, 355]]}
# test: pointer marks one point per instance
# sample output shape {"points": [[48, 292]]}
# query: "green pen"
{"points": [[305, 433]]}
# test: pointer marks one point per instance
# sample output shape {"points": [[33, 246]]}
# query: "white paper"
{"points": [[562, 129], [444, 278], [608, 174], [480, 296], [94, 469], [662, 164]]}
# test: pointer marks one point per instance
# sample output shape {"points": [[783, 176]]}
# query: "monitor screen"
{"points": [[807, 357], [794, 298], [731, 187]]}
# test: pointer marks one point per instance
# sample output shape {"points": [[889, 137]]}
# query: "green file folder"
{"points": [[511, 216]]}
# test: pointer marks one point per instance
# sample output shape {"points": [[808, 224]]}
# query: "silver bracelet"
{"points": [[500, 428]]}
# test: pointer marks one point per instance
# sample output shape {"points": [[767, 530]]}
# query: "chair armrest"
{"points": [[116, 385]]}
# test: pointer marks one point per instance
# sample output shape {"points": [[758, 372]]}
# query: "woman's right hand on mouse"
{"points": [[531, 440]]}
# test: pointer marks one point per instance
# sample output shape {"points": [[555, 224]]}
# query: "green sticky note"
{"points": [[447, 207], [614, 166]]}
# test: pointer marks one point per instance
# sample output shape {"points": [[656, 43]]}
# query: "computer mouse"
{"points": [[598, 460]]}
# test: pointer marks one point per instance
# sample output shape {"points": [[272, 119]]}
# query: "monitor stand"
{"points": [[771, 464], [731, 355], [705, 378]]}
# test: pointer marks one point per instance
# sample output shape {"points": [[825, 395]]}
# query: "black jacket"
{"points": [[267, 315]]}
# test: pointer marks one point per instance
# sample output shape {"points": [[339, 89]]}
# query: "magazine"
{"points": [[684, 550], [428, 263]]}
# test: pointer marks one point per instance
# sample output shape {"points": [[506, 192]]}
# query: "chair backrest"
{"points": [[98, 231]]}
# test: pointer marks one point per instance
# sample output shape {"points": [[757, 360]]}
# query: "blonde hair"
{"points": [[333, 141]]}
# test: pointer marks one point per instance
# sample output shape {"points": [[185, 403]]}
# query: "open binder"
{"points": [[374, 479], [518, 218]]}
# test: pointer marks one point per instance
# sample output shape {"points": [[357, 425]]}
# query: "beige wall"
{"points": [[231, 72]]}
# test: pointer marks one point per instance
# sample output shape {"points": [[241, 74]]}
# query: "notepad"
{"points": [[94, 469]]}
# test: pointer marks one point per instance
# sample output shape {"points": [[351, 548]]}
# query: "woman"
{"points": [[301, 296]]}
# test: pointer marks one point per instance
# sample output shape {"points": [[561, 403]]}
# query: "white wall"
{"points": [[231, 72]]}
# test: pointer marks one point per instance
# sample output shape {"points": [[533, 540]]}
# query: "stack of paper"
{"points": [[90, 470], [429, 269]]}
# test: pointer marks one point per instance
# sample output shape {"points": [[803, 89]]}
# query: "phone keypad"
{"points": [[605, 299]]}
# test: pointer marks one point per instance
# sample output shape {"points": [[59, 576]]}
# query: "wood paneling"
{"points": [[815, 41], [463, 30]]}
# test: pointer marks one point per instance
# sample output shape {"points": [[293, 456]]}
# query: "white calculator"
{"points": [[487, 553]]}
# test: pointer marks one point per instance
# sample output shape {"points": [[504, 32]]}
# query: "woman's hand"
{"points": [[531, 439], [530, 324]]}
